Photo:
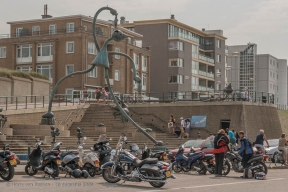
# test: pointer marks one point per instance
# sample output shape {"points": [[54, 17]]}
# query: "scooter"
{"points": [[49, 164], [7, 163], [193, 161], [89, 161]]}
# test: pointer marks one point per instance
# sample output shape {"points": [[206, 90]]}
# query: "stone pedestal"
{"points": [[141, 137], [7, 131], [100, 130], [2, 137]]}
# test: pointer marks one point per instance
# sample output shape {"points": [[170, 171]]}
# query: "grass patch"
{"points": [[27, 75]]}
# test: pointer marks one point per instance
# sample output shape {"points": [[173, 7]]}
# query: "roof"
{"points": [[175, 23]]}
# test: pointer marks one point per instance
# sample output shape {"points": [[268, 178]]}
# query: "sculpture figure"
{"points": [[101, 60], [54, 133]]}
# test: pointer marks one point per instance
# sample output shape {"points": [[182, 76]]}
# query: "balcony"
{"points": [[184, 36], [203, 73], [194, 87], [210, 75], [202, 88], [210, 89], [206, 74], [194, 71], [206, 58]]}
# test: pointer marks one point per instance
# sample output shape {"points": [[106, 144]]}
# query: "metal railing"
{"points": [[206, 58]]}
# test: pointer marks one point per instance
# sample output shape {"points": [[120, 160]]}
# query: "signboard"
{"points": [[198, 121]]}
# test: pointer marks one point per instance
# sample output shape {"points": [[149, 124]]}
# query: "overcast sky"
{"points": [[264, 22]]}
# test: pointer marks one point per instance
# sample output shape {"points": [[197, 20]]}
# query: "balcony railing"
{"points": [[184, 36], [194, 71], [202, 88], [210, 75], [206, 74], [202, 73], [210, 89], [195, 87], [206, 58]]}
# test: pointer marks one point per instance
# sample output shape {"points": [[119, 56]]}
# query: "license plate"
{"points": [[205, 163], [164, 157], [168, 174], [97, 164], [79, 163], [13, 162], [58, 161]]}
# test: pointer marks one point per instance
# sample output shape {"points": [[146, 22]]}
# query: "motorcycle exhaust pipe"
{"points": [[49, 170], [159, 181], [196, 168]]}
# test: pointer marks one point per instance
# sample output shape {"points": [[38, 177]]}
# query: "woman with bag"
{"points": [[220, 147]]}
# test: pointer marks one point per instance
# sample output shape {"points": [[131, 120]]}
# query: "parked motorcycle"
{"points": [[103, 150], [49, 164], [255, 162], [149, 170], [193, 161], [160, 155], [7, 163], [89, 161], [209, 161], [71, 164]]}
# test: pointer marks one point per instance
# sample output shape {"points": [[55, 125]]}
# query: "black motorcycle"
{"points": [[7, 164], [49, 164], [104, 153], [209, 161], [160, 155]]}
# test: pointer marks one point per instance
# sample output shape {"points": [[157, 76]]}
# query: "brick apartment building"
{"points": [[57, 46], [184, 59]]}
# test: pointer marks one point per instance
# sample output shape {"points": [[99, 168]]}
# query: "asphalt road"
{"points": [[276, 182]]}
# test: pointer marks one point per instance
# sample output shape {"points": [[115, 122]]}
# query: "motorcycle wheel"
{"points": [[226, 168], [90, 169], [29, 170], [157, 184], [263, 165], [177, 168], [108, 177], [211, 168], [203, 168], [8, 174]]}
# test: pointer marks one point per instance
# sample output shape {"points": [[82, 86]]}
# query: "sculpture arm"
{"points": [[135, 77], [113, 12]]}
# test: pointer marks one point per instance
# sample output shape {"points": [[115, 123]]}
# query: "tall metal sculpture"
{"points": [[102, 60]]}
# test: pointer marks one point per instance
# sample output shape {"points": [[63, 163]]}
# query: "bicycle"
{"points": [[134, 99]]}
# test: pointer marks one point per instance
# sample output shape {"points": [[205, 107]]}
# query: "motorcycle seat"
{"points": [[192, 154], [139, 163], [65, 153], [48, 153]]}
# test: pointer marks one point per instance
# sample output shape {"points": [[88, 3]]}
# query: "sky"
{"points": [[264, 22]]}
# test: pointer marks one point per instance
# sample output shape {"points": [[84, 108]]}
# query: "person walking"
{"points": [[220, 147], [187, 128], [246, 150], [260, 141], [98, 94], [282, 147], [85, 94], [104, 95], [171, 124], [182, 127], [231, 136]]}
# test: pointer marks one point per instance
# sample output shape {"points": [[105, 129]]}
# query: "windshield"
{"points": [[193, 143]]}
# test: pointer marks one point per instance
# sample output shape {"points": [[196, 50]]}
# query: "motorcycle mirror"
{"points": [[85, 138]]}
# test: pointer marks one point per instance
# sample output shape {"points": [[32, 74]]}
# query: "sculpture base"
{"points": [[2, 137], [52, 144], [47, 121]]}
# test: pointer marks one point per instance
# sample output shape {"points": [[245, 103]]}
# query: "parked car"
{"points": [[199, 145]]}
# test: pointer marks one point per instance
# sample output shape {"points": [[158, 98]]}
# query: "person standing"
{"points": [[85, 94], [260, 141], [104, 95], [182, 127], [246, 94], [98, 94], [282, 147], [232, 138], [171, 124], [187, 127], [220, 147], [246, 150]]}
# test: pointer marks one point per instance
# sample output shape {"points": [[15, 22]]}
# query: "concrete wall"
{"points": [[246, 116]]}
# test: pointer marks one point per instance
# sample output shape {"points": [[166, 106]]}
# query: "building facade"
{"points": [[57, 46], [184, 59], [263, 74]]}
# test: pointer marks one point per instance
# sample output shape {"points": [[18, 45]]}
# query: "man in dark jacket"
{"points": [[246, 150]]}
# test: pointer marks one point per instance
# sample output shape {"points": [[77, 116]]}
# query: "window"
{"points": [[70, 28], [144, 63], [195, 66], [69, 69], [52, 29], [273, 75], [218, 43], [117, 75], [45, 52], [2, 52], [270, 73], [176, 79], [69, 47], [277, 64], [25, 69], [45, 70], [273, 63], [35, 30], [144, 81], [136, 60], [117, 50], [195, 51], [91, 49], [177, 62], [270, 61], [176, 45], [92, 73], [218, 58], [69, 93], [19, 32], [24, 53]]}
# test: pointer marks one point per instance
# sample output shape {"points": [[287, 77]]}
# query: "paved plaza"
{"points": [[276, 182]]}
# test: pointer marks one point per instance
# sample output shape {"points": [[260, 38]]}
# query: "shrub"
{"points": [[9, 73]]}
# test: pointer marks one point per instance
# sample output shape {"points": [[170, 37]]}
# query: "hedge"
{"points": [[27, 75]]}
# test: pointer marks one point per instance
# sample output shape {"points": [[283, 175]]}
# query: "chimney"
{"points": [[45, 12], [122, 20], [203, 29], [172, 17]]}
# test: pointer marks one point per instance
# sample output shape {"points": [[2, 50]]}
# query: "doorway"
{"points": [[225, 124]]}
